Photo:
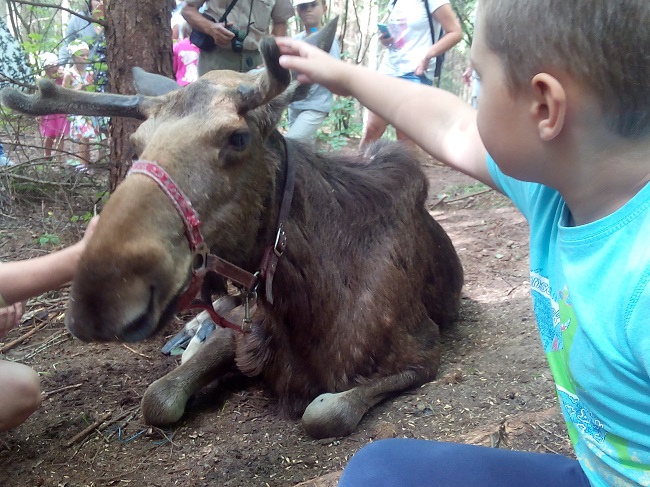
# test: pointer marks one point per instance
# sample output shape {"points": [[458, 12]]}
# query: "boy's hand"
{"points": [[10, 316], [313, 65]]}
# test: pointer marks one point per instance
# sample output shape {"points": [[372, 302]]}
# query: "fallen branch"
{"points": [[81, 435], [46, 182], [22, 338], [438, 203], [464, 197], [136, 352], [45, 395]]}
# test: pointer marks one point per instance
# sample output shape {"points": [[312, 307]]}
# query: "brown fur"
{"points": [[365, 282]]}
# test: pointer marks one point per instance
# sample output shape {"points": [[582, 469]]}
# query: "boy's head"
{"points": [[602, 44], [311, 12]]}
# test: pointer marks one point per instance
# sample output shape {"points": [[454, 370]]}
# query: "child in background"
{"points": [[186, 56], [56, 126], [563, 129], [79, 77], [19, 384], [307, 116]]}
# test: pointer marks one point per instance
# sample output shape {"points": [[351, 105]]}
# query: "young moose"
{"points": [[355, 276]]}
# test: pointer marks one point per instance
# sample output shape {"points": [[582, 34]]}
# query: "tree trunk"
{"points": [[137, 34]]}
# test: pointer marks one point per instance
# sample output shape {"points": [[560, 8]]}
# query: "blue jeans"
{"points": [[402, 462], [417, 79]]}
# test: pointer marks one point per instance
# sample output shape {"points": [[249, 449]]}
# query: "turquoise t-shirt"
{"points": [[591, 299]]}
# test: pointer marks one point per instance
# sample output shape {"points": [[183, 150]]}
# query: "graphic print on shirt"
{"points": [[558, 324]]}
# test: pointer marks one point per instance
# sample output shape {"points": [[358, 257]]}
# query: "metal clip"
{"points": [[200, 259], [247, 322], [278, 246]]}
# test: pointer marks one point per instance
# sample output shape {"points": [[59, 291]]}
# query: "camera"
{"points": [[237, 42]]}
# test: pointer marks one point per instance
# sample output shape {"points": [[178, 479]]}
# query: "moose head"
{"points": [[216, 138]]}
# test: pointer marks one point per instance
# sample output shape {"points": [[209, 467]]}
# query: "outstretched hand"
{"points": [[10, 316], [314, 65]]}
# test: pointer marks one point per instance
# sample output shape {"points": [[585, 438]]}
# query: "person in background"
{"points": [[82, 128], [92, 33], [410, 53], [471, 79], [252, 20], [186, 56], [563, 130], [20, 280], [177, 19], [4, 160], [306, 116], [14, 71], [54, 127]]}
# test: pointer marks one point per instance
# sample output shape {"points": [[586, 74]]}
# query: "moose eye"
{"points": [[239, 140]]}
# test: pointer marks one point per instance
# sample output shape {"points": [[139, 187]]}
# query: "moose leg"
{"points": [[338, 414], [164, 401]]}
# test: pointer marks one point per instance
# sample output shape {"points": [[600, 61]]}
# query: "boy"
{"points": [[307, 116], [563, 129], [20, 392]]}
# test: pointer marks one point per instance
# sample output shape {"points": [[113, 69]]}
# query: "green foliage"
{"points": [[49, 240], [85, 218], [466, 11], [342, 123]]}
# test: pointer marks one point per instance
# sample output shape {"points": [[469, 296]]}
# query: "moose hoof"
{"points": [[163, 403], [331, 415]]}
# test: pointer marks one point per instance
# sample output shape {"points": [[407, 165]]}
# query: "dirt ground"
{"points": [[494, 387]]}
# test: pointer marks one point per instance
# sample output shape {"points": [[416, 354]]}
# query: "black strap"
{"points": [[228, 10], [439, 59]]}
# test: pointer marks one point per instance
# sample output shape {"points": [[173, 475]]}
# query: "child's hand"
{"points": [[313, 65], [10, 316], [90, 229], [80, 246]]}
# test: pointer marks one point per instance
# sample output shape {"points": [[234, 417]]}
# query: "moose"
{"points": [[342, 278]]}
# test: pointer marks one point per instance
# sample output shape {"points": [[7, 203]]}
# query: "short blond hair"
{"points": [[604, 44]]}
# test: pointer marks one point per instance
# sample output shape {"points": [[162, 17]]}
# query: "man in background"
{"points": [[237, 36]]}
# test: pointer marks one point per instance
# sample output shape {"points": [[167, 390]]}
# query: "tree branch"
{"points": [[89, 19]]}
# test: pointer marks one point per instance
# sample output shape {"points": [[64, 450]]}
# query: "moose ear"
{"points": [[152, 84], [324, 38]]}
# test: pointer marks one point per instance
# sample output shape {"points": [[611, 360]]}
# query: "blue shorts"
{"points": [[417, 79], [402, 462]]}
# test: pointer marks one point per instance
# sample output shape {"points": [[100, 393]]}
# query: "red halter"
{"points": [[203, 261]]}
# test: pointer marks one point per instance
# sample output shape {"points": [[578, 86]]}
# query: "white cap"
{"points": [[300, 2], [48, 59]]}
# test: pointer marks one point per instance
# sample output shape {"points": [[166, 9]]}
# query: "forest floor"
{"points": [[494, 387]]}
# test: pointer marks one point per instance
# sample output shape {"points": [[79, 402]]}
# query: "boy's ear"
{"points": [[549, 105]]}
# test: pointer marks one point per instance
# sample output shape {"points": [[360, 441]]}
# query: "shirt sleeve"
{"points": [[523, 194]]}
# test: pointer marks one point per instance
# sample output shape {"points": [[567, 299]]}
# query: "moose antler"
{"points": [[51, 98], [275, 79]]}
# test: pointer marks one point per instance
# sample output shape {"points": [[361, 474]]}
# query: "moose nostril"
{"points": [[142, 327]]}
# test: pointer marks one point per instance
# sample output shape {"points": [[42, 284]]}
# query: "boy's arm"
{"points": [[439, 122]]}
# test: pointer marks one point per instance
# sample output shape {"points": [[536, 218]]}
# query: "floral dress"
{"points": [[81, 126]]}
